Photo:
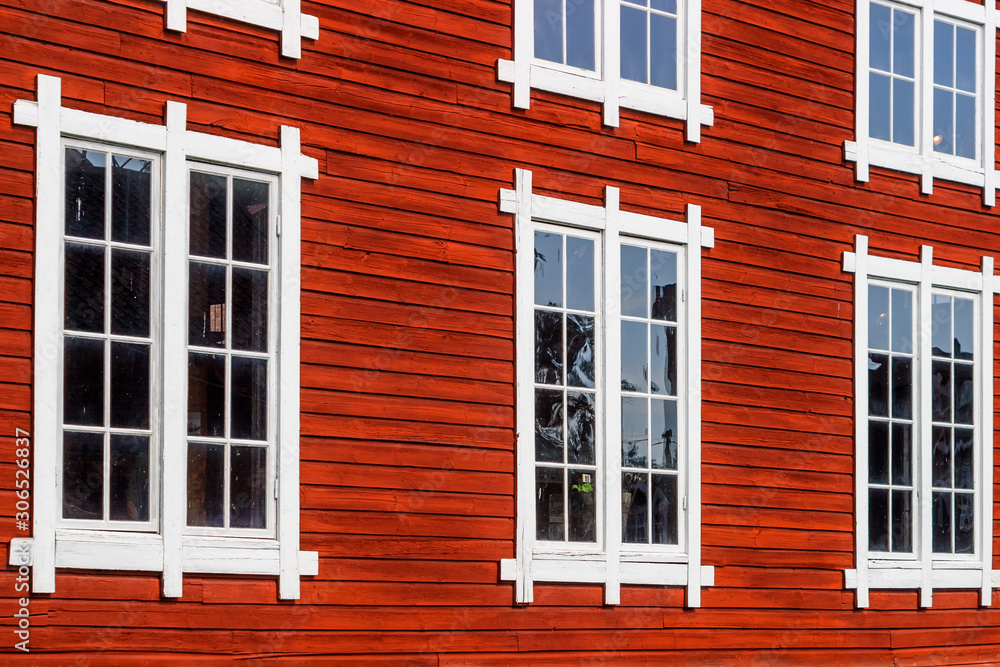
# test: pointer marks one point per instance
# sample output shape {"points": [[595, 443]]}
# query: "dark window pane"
{"points": [[878, 452], [903, 51], [902, 388], [663, 276], [663, 51], [664, 509], [205, 484], [944, 48], [878, 315], [880, 37], [130, 293], [582, 506], [251, 220], [965, 523], [633, 42], [879, 107], [902, 454], [634, 375], [964, 394], [83, 475], [83, 382], [548, 30], [208, 215], [548, 426], [941, 523], [964, 459], [940, 325], [129, 385], [663, 445], [941, 457], [965, 336], [548, 269], [131, 180], [941, 391], [663, 359], [878, 519], [878, 385], [635, 443], [129, 479], [206, 395], [207, 313], [249, 406], [249, 310], [579, 273], [579, 351], [902, 321], [635, 508], [580, 34], [85, 172], [248, 486], [549, 503], [902, 524], [84, 288], [580, 428], [548, 347], [903, 101], [635, 281]]}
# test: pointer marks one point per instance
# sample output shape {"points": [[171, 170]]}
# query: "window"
{"points": [[608, 351], [129, 291], [924, 390], [284, 16], [639, 54], [925, 85]]}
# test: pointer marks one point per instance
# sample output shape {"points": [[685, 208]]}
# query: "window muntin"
{"points": [[892, 74], [955, 89], [649, 42], [109, 439], [565, 32]]}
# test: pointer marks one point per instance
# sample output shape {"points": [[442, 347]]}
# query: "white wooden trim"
{"points": [[987, 103], [612, 61], [922, 416], [611, 326], [691, 74], [692, 403], [985, 435], [861, 418]]}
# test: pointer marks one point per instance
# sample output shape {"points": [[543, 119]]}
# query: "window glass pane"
{"points": [[902, 112], [664, 509], [944, 126], [548, 347], [880, 36], [633, 42], [582, 506], [83, 475], [902, 524], [941, 528], [548, 426], [579, 351], [965, 126], [579, 273], [548, 269], [663, 359], [84, 288], [85, 193], [669, 6], [249, 399], [580, 427], [83, 381], [549, 520], [902, 43], [663, 448], [250, 221], [878, 452], [207, 308], [129, 478], [965, 523], [131, 180], [878, 519], [878, 317], [940, 325], [248, 485], [964, 459], [206, 395], [129, 385], [965, 59], [635, 508], [634, 348], [941, 391], [635, 276], [879, 107], [580, 34], [878, 385], [663, 51], [902, 321], [902, 388], [634, 432], [549, 30], [663, 274], [205, 484], [208, 215], [944, 51], [129, 293], [941, 457], [965, 336], [964, 394], [249, 310], [902, 454]]}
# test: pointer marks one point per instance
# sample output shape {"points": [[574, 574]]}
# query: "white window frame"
{"points": [[923, 569], [605, 84], [608, 561], [171, 550], [921, 159], [285, 16]]}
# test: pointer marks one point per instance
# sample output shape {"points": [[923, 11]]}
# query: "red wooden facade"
{"points": [[408, 464]]}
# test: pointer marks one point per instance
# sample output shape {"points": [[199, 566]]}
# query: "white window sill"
{"points": [[593, 569], [958, 170], [944, 575]]}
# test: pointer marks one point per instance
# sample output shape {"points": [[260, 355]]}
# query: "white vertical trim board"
{"points": [[609, 561], [83, 545], [605, 85], [923, 569]]}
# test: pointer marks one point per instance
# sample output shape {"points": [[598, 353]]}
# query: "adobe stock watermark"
{"points": [[20, 549]]}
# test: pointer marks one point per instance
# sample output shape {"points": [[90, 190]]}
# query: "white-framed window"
{"points": [[925, 90], [923, 425], [638, 54], [608, 395], [166, 348], [285, 16]]}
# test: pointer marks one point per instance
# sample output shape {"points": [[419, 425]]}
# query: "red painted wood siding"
{"points": [[407, 380]]}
